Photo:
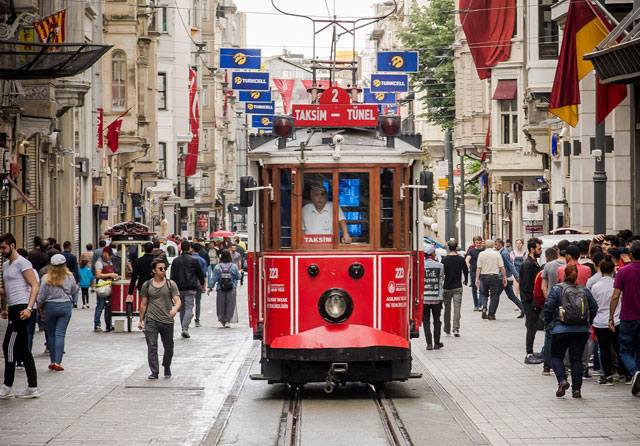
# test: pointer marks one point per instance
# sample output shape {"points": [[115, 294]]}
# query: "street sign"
{"points": [[247, 80], [247, 59], [340, 115], [443, 183], [379, 98], [260, 108], [533, 229], [389, 83], [265, 121], [254, 96], [403, 61]]}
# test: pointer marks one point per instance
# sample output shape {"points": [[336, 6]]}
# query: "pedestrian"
{"points": [[550, 269], [197, 249], [72, 266], [454, 268], [573, 256], [539, 298], [597, 258], [159, 304], [187, 273], [225, 277], [38, 256], [472, 262], [490, 271], [55, 299], [141, 270], [236, 258], [88, 253], [240, 243], [517, 257], [97, 254], [213, 261], [104, 271], [158, 252], [569, 312], [528, 272], [432, 297], [627, 284], [17, 299], [86, 281], [512, 273]]}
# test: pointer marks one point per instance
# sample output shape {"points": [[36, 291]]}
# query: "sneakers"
{"points": [[491, 317], [29, 392], [627, 380], [606, 381], [97, 329], [185, 334], [429, 346], [153, 376], [546, 371], [167, 372], [530, 359], [576, 394], [562, 388], [438, 345], [615, 377], [635, 384], [198, 324], [6, 392], [538, 355], [456, 332], [484, 314]]}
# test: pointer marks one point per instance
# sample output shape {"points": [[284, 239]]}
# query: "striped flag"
{"points": [[51, 29]]}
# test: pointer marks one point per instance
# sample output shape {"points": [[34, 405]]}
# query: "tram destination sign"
{"points": [[338, 115]]}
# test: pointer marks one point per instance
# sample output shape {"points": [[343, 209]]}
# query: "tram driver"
{"points": [[317, 216]]}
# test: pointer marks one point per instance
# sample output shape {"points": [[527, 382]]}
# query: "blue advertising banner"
{"points": [[261, 108], [255, 96], [247, 59], [378, 98], [389, 83], [406, 61], [247, 80], [386, 109], [262, 121], [263, 130]]}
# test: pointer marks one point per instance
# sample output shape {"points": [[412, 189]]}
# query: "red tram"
{"points": [[335, 264]]}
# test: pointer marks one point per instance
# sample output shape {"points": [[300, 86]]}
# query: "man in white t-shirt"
{"points": [[317, 216], [18, 298]]}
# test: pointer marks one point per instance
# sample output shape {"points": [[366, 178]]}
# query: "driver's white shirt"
{"points": [[314, 222]]}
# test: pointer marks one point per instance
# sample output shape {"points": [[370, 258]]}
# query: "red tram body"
{"points": [[327, 308]]}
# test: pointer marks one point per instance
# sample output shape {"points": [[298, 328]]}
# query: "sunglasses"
{"points": [[161, 268]]}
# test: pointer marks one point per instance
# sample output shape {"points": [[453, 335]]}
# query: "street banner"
{"points": [[389, 83], [402, 61], [244, 58], [378, 98], [100, 123], [339, 115], [263, 130], [247, 80], [265, 121], [51, 29], [191, 160], [260, 108], [285, 88], [531, 208], [254, 96], [202, 221]]}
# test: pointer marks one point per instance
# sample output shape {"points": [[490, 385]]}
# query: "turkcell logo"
{"points": [[390, 83], [261, 108], [247, 59], [263, 130], [262, 121], [378, 98], [406, 62], [255, 96], [255, 81]]}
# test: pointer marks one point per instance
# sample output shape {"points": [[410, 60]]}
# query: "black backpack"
{"points": [[575, 305], [226, 281]]}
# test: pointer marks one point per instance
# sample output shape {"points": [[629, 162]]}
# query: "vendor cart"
{"points": [[127, 240]]}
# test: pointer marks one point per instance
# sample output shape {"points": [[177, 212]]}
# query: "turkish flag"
{"points": [[285, 88], [113, 133]]}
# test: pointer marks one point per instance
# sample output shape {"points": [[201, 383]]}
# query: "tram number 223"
{"points": [[273, 273], [400, 273]]}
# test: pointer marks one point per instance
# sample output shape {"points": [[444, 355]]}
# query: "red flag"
{"points": [[608, 97], [285, 88], [100, 128], [191, 160], [483, 156], [51, 29], [113, 132]]}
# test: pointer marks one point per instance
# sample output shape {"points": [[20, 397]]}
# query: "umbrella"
{"points": [[221, 233]]}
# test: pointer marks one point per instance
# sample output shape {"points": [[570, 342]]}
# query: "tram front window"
{"points": [[354, 203], [317, 209]]}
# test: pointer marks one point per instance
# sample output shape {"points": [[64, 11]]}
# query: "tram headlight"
{"points": [[335, 305]]}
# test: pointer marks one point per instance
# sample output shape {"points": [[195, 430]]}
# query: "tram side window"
{"points": [[285, 208], [354, 204], [386, 207], [317, 209]]}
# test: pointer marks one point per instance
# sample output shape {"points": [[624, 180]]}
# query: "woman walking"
{"points": [[225, 276], [517, 257], [568, 314], [55, 300]]}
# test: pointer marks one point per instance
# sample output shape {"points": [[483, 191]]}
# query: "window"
{"points": [[386, 207], [548, 31], [509, 121], [317, 209], [118, 80], [354, 203], [205, 96], [162, 91], [205, 140], [285, 208], [162, 159]]}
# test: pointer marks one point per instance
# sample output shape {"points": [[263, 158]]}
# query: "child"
{"points": [[86, 276]]}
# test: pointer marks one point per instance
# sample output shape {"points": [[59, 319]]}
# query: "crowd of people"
{"points": [[41, 288], [585, 297]]}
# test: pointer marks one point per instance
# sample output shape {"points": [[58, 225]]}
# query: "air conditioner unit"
{"points": [[5, 161]]}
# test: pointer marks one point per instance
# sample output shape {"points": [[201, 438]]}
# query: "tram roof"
{"points": [[358, 143]]}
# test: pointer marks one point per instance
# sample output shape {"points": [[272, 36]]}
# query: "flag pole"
{"points": [[599, 175]]}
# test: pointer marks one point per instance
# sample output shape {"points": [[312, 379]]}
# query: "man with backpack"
{"points": [[225, 276], [188, 276], [159, 303]]}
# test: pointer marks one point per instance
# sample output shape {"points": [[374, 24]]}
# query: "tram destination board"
{"points": [[338, 115]]}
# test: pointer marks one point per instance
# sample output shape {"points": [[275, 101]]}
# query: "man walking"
{"points": [[38, 256], [432, 297], [454, 268], [141, 271], [197, 249], [528, 272], [188, 276], [472, 262], [489, 270], [17, 300], [159, 303], [512, 273], [72, 266]]}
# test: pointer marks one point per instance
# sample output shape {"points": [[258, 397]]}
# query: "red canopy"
{"points": [[221, 233]]}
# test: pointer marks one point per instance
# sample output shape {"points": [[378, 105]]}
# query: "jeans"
{"points": [[477, 303], [225, 304], [454, 294], [492, 285], [426, 322], [85, 296], [532, 314], [198, 300], [15, 345], [188, 298], [575, 342], [98, 312], [57, 315], [546, 350], [210, 276], [511, 295], [75, 299], [630, 345], [151, 330], [609, 351]]}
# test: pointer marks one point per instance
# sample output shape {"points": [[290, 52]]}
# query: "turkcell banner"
{"points": [[406, 61], [378, 98], [263, 130], [261, 108], [262, 121], [255, 96], [390, 83], [247, 59], [247, 80]]}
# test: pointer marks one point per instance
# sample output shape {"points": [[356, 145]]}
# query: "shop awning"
{"points": [[29, 60], [506, 90]]}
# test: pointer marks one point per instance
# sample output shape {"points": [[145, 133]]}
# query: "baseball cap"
{"points": [[58, 259]]}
